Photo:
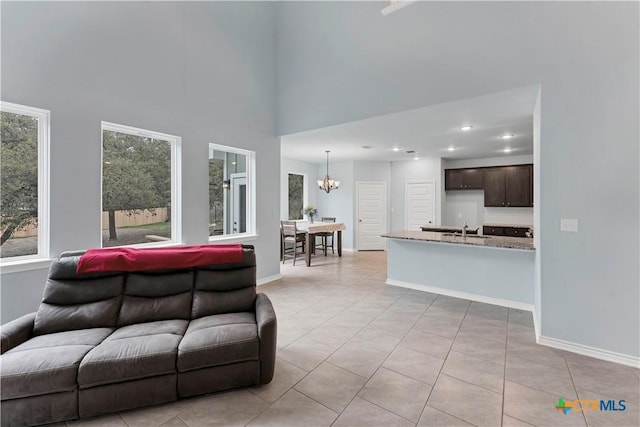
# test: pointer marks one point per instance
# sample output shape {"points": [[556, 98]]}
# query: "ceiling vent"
{"points": [[410, 151], [366, 147]]}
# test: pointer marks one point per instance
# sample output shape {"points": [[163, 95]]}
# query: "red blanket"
{"points": [[131, 259]]}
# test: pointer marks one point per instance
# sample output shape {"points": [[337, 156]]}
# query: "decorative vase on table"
{"points": [[310, 212]]}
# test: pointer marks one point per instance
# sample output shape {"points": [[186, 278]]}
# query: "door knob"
{"points": [[359, 220]]}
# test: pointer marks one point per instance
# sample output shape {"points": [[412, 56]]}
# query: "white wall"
{"points": [[310, 172], [427, 169], [433, 52], [468, 205], [203, 71]]}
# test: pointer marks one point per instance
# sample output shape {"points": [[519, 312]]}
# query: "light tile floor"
{"points": [[353, 351]]}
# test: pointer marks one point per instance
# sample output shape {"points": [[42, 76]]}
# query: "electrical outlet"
{"points": [[570, 225]]}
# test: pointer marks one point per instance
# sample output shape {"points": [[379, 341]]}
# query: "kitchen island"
{"points": [[491, 269]]}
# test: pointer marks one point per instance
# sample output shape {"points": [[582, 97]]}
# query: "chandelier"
{"points": [[327, 184]]}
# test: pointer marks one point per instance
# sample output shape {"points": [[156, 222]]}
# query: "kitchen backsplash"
{"points": [[516, 216]]}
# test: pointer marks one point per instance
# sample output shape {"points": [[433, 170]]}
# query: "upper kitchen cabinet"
{"points": [[463, 179], [508, 186]]}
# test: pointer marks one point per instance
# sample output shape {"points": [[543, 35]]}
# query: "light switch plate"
{"points": [[570, 225]]}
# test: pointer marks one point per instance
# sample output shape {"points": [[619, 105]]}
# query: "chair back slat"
{"points": [[289, 228]]}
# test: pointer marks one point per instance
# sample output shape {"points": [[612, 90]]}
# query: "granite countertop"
{"points": [[450, 227], [520, 243], [491, 224]]}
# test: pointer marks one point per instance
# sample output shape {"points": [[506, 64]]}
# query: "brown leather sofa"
{"points": [[106, 342]]}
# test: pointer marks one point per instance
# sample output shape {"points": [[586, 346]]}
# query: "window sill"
{"points": [[234, 238], [24, 265], [168, 243]]}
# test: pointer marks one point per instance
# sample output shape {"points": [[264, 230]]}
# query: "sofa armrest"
{"points": [[17, 331], [267, 333]]}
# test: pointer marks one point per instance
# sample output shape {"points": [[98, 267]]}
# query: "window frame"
{"points": [[250, 156], [176, 179], [44, 141]]}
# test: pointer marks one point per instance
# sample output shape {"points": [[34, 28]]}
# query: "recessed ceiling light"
{"points": [[451, 148], [508, 150], [466, 127], [416, 158], [507, 136], [396, 149]]}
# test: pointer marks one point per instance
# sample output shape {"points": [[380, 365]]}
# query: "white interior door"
{"points": [[238, 203], [371, 212], [419, 204]]}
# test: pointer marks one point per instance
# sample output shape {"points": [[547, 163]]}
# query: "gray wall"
{"points": [[202, 71], [341, 202], [585, 56], [488, 273], [310, 170]]}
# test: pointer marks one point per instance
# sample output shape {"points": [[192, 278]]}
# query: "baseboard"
{"points": [[464, 295], [536, 324], [585, 350], [265, 280]]}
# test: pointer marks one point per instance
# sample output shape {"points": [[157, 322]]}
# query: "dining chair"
{"points": [[325, 235], [289, 234]]}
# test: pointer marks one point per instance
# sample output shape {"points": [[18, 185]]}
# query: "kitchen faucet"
{"points": [[464, 229]]}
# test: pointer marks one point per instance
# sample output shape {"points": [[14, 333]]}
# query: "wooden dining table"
{"points": [[311, 229]]}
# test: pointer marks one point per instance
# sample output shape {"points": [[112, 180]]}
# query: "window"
{"points": [[140, 182], [231, 191], [24, 181], [296, 195]]}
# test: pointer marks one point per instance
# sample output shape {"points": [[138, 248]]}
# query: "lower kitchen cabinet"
{"points": [[490, 230]]}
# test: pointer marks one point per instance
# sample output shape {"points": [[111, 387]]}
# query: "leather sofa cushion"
{"points": [[153, 296], [79, 304], [225, 288], [133, 352], [219, 340], [47, 363], [206, 303]]}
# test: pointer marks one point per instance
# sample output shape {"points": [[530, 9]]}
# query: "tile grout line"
{"points": [[504, 371], [377, 369], [564, 357], [325, 359], [426, 403]]}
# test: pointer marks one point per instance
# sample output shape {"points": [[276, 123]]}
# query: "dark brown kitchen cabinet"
{"points": [[463, 179], [508, 186], [516, 231], [492, 231]]}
